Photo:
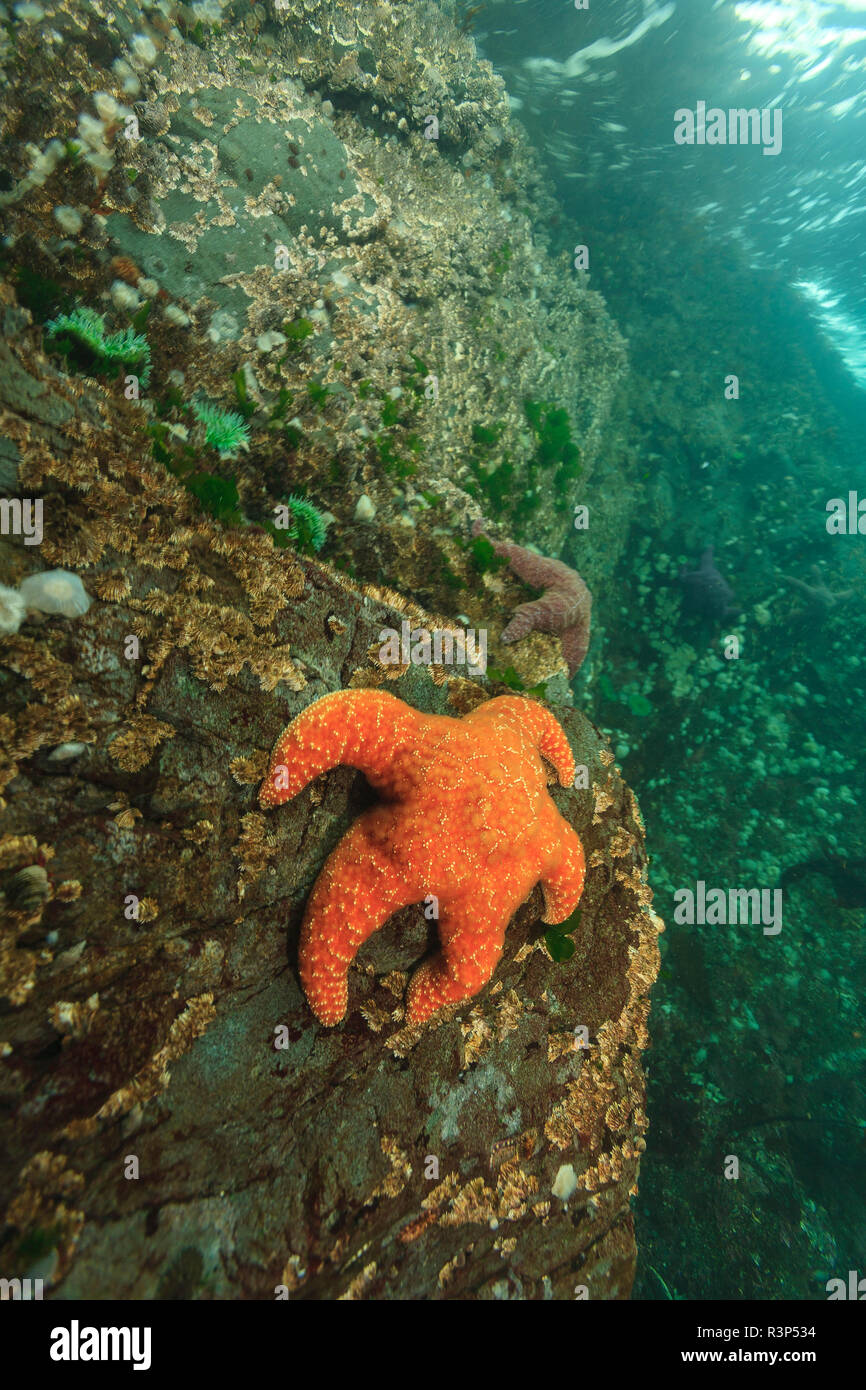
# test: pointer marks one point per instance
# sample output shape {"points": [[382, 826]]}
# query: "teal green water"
{"points": [[734, 698]]}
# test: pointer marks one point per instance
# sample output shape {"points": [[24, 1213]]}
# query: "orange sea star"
{"points": [[465, 818]]}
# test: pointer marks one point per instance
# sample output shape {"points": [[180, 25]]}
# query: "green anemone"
{"points": [[223, 429], [308, 528], [83, 330]]}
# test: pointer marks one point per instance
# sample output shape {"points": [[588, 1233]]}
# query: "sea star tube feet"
{"points": [[466, 817]]}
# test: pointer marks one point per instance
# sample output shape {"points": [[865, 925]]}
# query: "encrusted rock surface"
{"points": [[180, 1127], [265, 191]]}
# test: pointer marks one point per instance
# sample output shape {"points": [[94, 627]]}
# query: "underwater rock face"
{"points": [[270, 198], [155, 1005], [226, 190]]}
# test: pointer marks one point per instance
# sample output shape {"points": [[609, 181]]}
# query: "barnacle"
{"points": [[125, 269], [28, 890], [12, 611]]}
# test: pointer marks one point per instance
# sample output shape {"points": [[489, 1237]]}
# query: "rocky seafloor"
{"points": [[242, 215]]}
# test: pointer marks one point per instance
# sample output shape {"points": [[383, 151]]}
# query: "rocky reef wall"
{"points": [[323, 213], [153, 1013], [238, 274]]}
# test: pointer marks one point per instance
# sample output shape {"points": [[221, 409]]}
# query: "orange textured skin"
{"points": [[465, 815]]}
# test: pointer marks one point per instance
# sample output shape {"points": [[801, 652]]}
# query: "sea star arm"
{"points": [[575, 645], [536, 722], [472, 942], [366, 729], [357, 891], [564, 606], [798, 584], [539, 571], [819, 594], [526, 618], [562, 880]]}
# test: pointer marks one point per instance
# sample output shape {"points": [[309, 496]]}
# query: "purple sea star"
{"points": [[565, 605], [820, 598], [707, 593]]}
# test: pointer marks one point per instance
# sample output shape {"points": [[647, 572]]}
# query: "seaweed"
{"points": [[392, 461], [318, 392], [500, 261], [449, 578], [483, 557], [297, 331], [554, 446], [140, 317], [284, 400], [218, 496], [558, 938], [40, 294], [246, 407]]}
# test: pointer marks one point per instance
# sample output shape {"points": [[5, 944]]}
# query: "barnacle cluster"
{"points": [[12, 610]]}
